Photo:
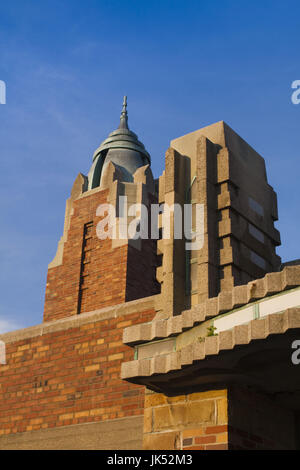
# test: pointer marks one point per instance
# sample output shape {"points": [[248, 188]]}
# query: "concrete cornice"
{"points": [[241, 335], [239, 296]]}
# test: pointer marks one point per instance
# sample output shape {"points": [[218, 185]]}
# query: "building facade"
{"points": [[149, 342]]}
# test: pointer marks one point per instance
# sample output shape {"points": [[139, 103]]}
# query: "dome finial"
{"points": [[124, 115]]}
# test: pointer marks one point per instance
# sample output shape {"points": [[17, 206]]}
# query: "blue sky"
{"points": [[183, 65]]}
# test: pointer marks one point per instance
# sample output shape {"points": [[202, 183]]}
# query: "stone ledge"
{"points": [[274, 324], [116, 434], [239, 296], [75, 321]]}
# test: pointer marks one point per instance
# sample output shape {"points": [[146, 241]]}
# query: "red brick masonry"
{"points": [[68, 377]]}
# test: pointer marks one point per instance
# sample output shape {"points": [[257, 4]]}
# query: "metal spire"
{"points": [[124, 115]]}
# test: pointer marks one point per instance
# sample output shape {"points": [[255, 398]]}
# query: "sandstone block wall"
{"points": [[197, 421]]}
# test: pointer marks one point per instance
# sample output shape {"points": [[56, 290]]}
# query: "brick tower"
{"points": [[89, 273]]}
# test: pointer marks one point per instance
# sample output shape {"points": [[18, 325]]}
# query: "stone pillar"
{"points": [[172, 273]]}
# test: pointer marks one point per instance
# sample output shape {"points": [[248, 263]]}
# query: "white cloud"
{"points": [[8, 325]]}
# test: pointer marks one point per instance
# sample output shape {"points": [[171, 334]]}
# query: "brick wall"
{"points": [[69, 376]]}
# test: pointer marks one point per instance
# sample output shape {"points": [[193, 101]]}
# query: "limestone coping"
{"points": [[74, 321]]}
